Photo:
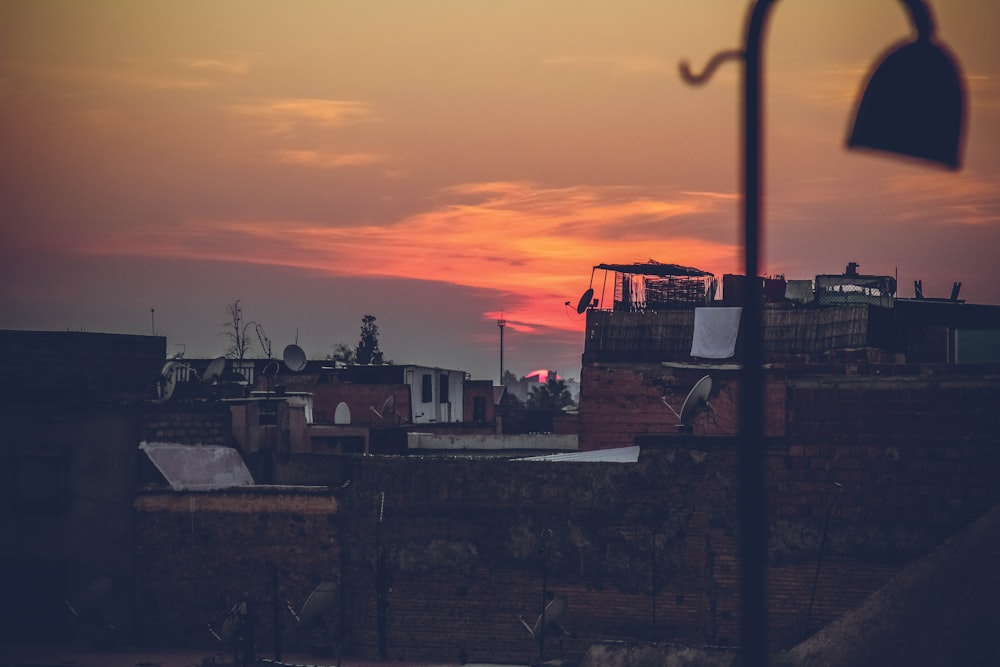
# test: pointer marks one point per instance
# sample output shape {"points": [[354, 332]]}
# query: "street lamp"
{"points": [[913, 106]]}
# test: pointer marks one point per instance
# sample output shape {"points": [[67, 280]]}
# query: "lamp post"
{"points": [[913, 105]]}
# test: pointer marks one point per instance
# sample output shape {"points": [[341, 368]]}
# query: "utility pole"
{"points": [[501, 323]]}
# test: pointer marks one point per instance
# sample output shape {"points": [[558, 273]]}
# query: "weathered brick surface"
{"points": [[197, 553], [188, 423], [863, 476]]}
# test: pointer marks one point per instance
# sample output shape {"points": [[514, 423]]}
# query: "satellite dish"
{"points": [[215, 370], [94, 599], [168, 380], [554, 615], [321, 599], [585, 300], [389, 406], [227, 625], [294, 358], [270, 370], [696, 399]]}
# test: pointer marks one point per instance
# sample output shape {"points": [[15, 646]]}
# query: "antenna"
{"points": [[294, 358], [265, 342], [696, 399], [501, 323]]}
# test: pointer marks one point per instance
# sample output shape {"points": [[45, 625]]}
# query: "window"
{"points": [[443, 387], [426, 388], [478, 409]]}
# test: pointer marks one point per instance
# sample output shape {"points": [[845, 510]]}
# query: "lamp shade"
{"points": [[913, 105]]}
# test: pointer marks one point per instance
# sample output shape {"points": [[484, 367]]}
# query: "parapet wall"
{"points": [[439, 558]]}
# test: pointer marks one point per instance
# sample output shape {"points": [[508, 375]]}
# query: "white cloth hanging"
{"points": [[715, 331]]}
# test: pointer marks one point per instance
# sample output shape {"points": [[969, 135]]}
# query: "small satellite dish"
{"points": [[294, 358], [554, 615], [215, 370], [321, 599], [696, 399], [168, 380], [92, 602], [585, 300], [389, 406], [270, 370], [228, 624]]}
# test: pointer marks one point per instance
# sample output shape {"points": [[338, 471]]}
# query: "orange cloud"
{"points": [[533, 245], [326, 159], [282, 116]]}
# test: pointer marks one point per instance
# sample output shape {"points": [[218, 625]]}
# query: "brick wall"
{"points": [[188, 423], [198, 553], [461, 542]]}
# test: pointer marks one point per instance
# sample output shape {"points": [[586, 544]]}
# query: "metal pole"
{"points": [[501, 323], [751, 455]]}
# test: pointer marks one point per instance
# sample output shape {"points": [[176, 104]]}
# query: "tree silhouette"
{"points": [[367, 351], [552, 396], [235, 329], [343, 353]]}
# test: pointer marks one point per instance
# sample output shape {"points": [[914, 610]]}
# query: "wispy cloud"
{"points": [[327, 159], [517, 238], [130, 74], [283, 116], [965, 199], [234, 67]]}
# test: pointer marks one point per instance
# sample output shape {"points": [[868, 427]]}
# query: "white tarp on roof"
{"points": [[198, 466], [617, 455]]}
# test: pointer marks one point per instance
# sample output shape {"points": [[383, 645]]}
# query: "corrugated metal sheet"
{"points": [[618, 455], [198, 467]]}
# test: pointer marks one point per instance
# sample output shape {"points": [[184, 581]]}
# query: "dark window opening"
{"points": [[443, 387], [478, 409], [426, 388]]}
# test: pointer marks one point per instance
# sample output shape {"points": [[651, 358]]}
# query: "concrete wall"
{"points": [[434, 441], [68, 476], [60, 367]]}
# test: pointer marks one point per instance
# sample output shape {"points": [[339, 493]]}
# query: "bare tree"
{"points": [[236, 330]]}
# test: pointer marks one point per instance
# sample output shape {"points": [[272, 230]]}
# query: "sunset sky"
{"points": [[437, 162]]}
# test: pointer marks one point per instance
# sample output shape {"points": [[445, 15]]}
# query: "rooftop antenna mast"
{"points": [[501, 323]]}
